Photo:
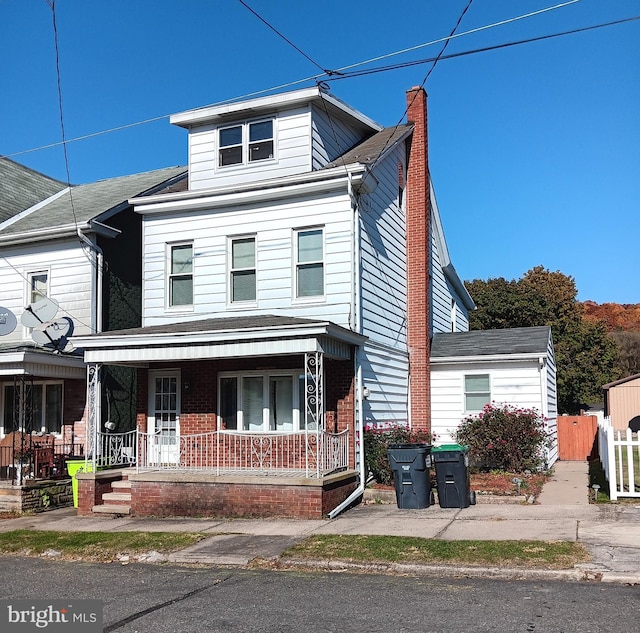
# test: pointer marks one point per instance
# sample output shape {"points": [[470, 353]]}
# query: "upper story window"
{"points": [[180, 280], [309, 254], [242, 281], [245, 143], [477, 391], [38, 286]]}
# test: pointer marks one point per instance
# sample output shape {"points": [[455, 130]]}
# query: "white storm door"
{"points": [[164, 418]]}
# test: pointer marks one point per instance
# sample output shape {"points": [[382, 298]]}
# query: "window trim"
{"points": [[170, 276], [246, 143], [298, 408], [466, 393], [231, 270], [297, 264]]}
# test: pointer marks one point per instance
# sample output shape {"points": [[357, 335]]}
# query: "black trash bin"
{"points": [[411, 465], [451, 462]]}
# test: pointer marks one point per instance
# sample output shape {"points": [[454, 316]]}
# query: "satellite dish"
{"points": [[8, 321], [37, 313], [54, 334]]}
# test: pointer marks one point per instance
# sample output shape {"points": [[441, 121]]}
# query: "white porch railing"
{"points": [[311, 455], [620, 458]]}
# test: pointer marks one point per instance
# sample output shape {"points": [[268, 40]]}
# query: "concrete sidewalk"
{"points": [[610, 532]]}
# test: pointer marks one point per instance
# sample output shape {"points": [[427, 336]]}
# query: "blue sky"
{"points": [[534, 149]]}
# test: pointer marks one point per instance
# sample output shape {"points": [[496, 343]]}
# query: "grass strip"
{"points": [[93, 546], [399, 549]]}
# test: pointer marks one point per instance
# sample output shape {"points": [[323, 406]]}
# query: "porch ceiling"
{"points": [[232, 337]]}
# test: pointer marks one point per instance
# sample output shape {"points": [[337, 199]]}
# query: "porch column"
{"points": [[314, 391], [93, 413]]}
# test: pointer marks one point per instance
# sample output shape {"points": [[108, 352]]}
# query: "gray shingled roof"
{"points": [[370, 150], [520, 340], [214, 325], [90, 201], [21, 188]]}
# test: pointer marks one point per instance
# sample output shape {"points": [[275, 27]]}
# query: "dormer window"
{"points": [[245, 143]]}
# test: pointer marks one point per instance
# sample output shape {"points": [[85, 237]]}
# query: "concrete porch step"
{"points": [[106, 508], [123, 484], [116, 497]]}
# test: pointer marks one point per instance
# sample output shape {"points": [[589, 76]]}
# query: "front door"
{"points": [[164, 418]]}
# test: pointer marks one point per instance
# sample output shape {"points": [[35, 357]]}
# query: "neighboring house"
{"points": [[622, 403], [506, 366], [75, 252], [289, 296]]}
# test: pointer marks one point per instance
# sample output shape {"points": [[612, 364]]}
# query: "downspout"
{"points": [[357, 326]]}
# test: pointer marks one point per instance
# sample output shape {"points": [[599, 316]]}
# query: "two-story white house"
{"points": [[289, 295], [69, 264]]}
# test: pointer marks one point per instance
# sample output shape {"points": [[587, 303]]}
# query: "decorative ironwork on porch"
{"points": [[302, 454]]}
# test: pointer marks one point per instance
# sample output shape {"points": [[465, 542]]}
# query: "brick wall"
{"points": [[418, 204], [235, 499]]}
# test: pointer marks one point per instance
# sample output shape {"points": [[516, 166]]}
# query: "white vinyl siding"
{"points": [[292, 153], [522, 383], [70, 282], [382, 258], [385, 373], [272, 223]]}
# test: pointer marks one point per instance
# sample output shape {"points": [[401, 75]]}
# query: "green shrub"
{"points": [[376, 442], [505, 437]]}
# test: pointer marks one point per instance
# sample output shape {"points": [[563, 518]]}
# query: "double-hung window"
{"points": [[242, 269], [477, 391], [38, 286], [245, 143], [309, 255], [180, 280]]}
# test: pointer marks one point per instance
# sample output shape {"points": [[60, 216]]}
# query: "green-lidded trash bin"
{"points": [[451, 462], [410, 464], [75, 466]]}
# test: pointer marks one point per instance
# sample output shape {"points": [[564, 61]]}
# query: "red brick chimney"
{"points": [[418, 212]]}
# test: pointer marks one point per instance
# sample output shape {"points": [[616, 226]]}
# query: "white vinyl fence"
{"points": [[620, 458]]}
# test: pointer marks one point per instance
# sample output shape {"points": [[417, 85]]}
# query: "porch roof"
{"points": [[27, 359], [230, 337]]}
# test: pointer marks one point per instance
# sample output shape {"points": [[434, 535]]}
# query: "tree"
{"points": [[628, 352], [586, 356]]}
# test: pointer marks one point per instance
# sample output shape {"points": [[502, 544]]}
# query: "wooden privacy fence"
{"points": [[577, 437], [620, 458]]}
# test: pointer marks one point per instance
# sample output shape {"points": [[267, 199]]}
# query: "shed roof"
{"points": [[615, 383], [507, 341]]}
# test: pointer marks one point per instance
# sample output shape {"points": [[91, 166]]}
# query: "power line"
{"points": [[285, 38], [340, 71], [475, 51]]}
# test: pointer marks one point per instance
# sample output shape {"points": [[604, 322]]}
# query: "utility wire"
{"points": [[285, 38], [417, 62], [339, 71]]}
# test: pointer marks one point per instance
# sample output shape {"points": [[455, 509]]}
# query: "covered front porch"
{"points": [[268, 433]]}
